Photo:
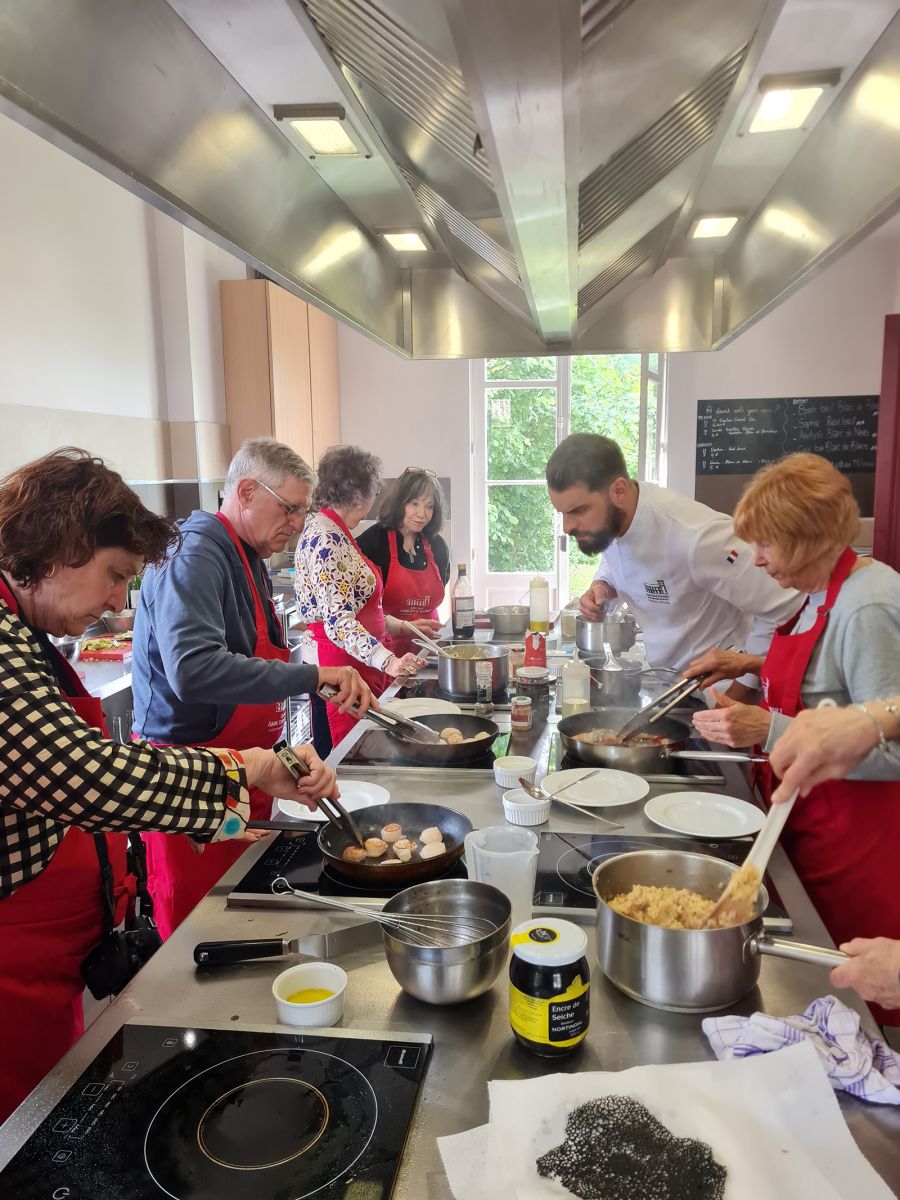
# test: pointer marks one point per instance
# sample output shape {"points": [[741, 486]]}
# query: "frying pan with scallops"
{"points": [[412, 819]]}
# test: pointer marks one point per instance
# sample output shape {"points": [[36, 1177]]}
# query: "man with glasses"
{"points": [[210, 663]]}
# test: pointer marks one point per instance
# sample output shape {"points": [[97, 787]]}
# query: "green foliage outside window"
{"points": [[521, 434]]}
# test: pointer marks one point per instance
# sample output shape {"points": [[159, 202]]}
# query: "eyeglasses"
{"points": [[290, 510]]}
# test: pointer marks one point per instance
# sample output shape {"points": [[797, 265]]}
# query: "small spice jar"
{"points": [[549, 986], [521, 713]]}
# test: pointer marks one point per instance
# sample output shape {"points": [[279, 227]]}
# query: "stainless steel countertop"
{"points": [[473, 1042]]}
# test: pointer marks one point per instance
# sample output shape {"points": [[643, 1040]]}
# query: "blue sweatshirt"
{"points": [[194, 637]]}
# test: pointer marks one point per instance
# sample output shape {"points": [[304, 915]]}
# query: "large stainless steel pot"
{"points": [[684, 970], [619, 631], [456, 676], [450, 975]]}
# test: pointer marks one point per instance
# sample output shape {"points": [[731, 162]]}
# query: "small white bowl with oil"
{"points": [[310, 994]]}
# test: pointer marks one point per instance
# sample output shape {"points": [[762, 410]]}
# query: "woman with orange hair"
{"points": [[842, 647]]}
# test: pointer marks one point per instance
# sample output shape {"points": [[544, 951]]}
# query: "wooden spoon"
{"points": [[737, 904]]}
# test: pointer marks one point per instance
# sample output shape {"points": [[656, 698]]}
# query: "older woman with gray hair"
{"points": [[339, 589]]}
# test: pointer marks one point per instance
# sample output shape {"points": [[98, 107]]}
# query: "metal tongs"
{"points": [[675, 695], [392, 723], [333, 809]]}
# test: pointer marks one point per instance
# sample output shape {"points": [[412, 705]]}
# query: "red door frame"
{"points": [[886, 535]]}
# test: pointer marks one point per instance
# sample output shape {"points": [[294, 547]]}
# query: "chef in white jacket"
{"points": [[689, 581]]}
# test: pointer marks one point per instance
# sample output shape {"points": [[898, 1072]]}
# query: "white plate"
{"points": [[355, 793], [605, 789], [420, 706], [701, 814]]}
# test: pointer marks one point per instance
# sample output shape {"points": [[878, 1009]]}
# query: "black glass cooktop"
{"points": [[199, 1114], [297, 857], [430, 689], [567, 861]]}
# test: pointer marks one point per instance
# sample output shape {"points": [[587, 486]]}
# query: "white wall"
{"points": [[825, 340], [110, 333], [77, 326], [411, 414]]}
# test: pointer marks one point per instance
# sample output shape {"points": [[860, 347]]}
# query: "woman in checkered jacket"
{"points": [[71, 536]]}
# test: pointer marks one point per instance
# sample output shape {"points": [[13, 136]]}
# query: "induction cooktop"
{"points": [[298, 858], [237, 1114]]}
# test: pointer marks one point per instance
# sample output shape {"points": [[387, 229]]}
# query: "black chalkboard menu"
{"points": [[737, 437]]}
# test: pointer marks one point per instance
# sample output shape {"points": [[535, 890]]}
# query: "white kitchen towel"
{"points": [[772, 1121], [864, 1066]]}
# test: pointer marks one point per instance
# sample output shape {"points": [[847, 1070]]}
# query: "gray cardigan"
{"points": [[857, 657]]}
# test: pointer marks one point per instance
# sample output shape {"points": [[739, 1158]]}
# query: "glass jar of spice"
{"points": [[521, 714]]}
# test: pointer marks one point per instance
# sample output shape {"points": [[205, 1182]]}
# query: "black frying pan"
{"points": [[439, 755], [412, 818]]}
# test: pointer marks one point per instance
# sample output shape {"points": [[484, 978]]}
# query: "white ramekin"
{"points": [[310, 975], [508, 770], [521, 809]]}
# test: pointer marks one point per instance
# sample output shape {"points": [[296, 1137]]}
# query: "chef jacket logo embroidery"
{"points": [[732, 557], [657, 593]]}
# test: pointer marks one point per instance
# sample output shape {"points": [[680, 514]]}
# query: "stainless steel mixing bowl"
{"points": [[449, 975]]}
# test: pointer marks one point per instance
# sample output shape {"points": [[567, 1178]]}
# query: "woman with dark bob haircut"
{"points": [[72, 534], [407, 548], [339, 590]]}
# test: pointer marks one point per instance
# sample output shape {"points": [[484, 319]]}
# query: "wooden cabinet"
{"points": [[281, 368]]}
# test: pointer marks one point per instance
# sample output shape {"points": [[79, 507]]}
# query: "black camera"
{"points": [[121, 953], [118, 957]]}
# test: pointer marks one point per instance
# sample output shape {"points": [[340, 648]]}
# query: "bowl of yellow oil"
{"points": [[310, 994]]}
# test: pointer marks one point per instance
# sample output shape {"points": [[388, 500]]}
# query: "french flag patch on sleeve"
{"points": [[733, 556]]}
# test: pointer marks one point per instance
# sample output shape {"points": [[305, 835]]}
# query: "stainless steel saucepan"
{"points": [[643, 760], [620, 631], [684, 970], [508, 620], [456, 667]]}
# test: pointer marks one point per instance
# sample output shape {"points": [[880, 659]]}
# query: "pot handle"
{"points": [[717, 756], [818, 956]]}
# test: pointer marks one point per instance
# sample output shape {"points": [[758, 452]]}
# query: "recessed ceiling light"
{"points": [[787, 101], [713, 227], [324, 128], [405, 240]]}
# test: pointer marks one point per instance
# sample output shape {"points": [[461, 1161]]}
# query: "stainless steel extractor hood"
{"points": [[555, 157]]}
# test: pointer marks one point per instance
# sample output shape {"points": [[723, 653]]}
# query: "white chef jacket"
{"points": [[691, 583]]}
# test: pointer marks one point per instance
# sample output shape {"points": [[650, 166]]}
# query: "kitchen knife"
{"points": [[315, 945]]}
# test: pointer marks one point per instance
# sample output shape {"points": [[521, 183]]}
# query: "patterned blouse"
{"points": [[56, 771], [333, 582]]}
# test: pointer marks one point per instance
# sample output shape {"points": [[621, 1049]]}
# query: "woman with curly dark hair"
{"points": [[338, 588], [406, 546], [72, 534]]}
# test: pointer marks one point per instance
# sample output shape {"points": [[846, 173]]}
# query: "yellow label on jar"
{"points": [[560, 1020]]}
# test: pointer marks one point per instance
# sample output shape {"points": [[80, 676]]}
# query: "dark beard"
{"points": [[596, 543]]}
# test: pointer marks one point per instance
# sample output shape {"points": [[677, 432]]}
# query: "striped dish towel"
{"points": [[856, 1063]]}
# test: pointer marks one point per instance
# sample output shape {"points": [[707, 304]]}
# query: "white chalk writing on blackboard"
{"points": [[737, 437]]}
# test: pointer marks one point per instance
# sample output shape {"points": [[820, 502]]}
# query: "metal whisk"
{"points": [[436, 930]]}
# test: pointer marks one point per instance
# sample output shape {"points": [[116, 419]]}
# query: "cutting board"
{"points": [[113, 654]]}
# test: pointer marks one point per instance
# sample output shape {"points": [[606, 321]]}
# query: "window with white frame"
{"points": [[522, 409]]}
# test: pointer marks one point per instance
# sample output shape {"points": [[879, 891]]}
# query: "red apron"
{"points": [[371, 617], [179, 877], [411, 595], [844, 837], [47, 927]]}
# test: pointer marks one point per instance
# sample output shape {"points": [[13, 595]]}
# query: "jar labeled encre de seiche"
{"points": [[549, 986]]}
